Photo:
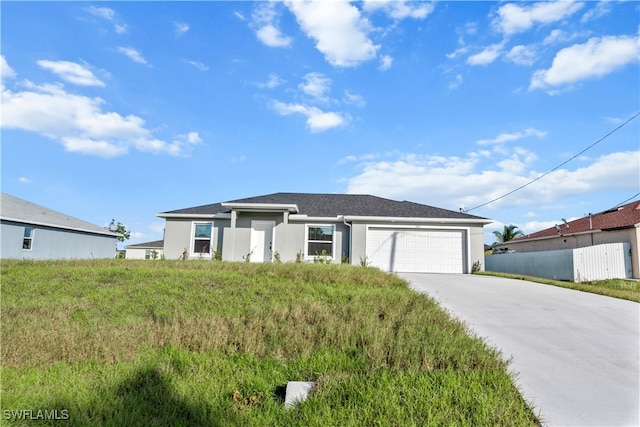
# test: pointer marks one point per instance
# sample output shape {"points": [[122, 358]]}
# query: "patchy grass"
{"points": [[122, 342], [617, 288]]}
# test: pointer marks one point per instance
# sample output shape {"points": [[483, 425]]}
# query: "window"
{"points": [[320, 240], [147, 254], [27, 240], [202, 239]]}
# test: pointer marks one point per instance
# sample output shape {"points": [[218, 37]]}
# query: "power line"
{"points": [[557, 167], [622, 203]]}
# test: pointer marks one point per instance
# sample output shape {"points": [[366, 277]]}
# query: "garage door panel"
{"points": [[424, 251]]}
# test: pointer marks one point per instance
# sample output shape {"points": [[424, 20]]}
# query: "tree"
{"points": [[120, 229], [509, 232]]}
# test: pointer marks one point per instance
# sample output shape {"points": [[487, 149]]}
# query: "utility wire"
{"points": [[557, 167], [622, 203]]}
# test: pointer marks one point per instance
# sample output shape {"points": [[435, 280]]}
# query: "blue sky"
{"points": [[127, 109]]}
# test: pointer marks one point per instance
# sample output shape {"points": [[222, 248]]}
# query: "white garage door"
{"points": [[416, 251]]}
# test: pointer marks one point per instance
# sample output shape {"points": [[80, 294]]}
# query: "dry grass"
{"points": [[178, 328]]}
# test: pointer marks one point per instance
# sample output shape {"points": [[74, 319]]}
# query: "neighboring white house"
{"points": [[391, 235], [147, 250], [31, 231]]}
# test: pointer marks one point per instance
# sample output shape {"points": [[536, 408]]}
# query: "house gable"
{"points": [[31, 231]]}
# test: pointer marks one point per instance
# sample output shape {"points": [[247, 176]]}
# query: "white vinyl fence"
{"points": [[600, 262]]}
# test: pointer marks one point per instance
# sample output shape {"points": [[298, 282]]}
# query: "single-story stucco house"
{"points": [[31, 231], [391, 235], [146, 250], [617, 225]]}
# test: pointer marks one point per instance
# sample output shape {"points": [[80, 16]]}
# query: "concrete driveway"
{"points": [[576, 354]]}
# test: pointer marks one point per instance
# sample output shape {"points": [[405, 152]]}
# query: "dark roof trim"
{"points": [[325, 205]]}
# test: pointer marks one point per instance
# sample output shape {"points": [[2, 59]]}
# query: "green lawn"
{"points": [[209, 343], [617, 288]]}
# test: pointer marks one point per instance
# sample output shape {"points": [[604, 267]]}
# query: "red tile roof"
{"points": [[624, 216]]}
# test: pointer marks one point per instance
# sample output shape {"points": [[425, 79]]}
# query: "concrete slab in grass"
{"points": [[297, 392]]}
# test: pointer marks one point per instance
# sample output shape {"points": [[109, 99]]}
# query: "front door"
{"points": [[262, 240]]}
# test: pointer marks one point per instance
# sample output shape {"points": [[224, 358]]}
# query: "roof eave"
{"points": [[185, 216], [418, 219], [62, 227], [262, 207]]}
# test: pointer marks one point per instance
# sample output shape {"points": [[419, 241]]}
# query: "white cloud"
{"points": [[353, 99], [93, 147], [601, 9], [316, 85], [265, 24], [452, 182], [199, 65], [24, 180], [181, 28], [273, 82], [271, 36], [6, 72], [487, 56], [385, 62], [133, 54], [512, 18], [80, 124], [535, 226], [71, 72], [400, 9], [102, 12], [459, 51], [521, 55], [593, 59], [457, 81], [317, 120], [120, 28], [108, 14], [513, 136], [340, 32]]}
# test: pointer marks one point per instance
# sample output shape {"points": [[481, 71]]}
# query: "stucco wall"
{"points": [[289, 238], [177, 236], [53, 243], [476, 246], [139, 253]]}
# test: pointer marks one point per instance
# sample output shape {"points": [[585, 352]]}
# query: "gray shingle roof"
{"points": [[18, 210], [201, 210], [332, 205], [156, 244]]}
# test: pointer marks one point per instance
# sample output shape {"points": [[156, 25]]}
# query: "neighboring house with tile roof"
{"points": [[31, 231], [388, 234], [147, 250], [617, 225]]}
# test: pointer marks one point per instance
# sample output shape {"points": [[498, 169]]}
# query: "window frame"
{"points": [[310, 256], [195, 239], [28, 238]]}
